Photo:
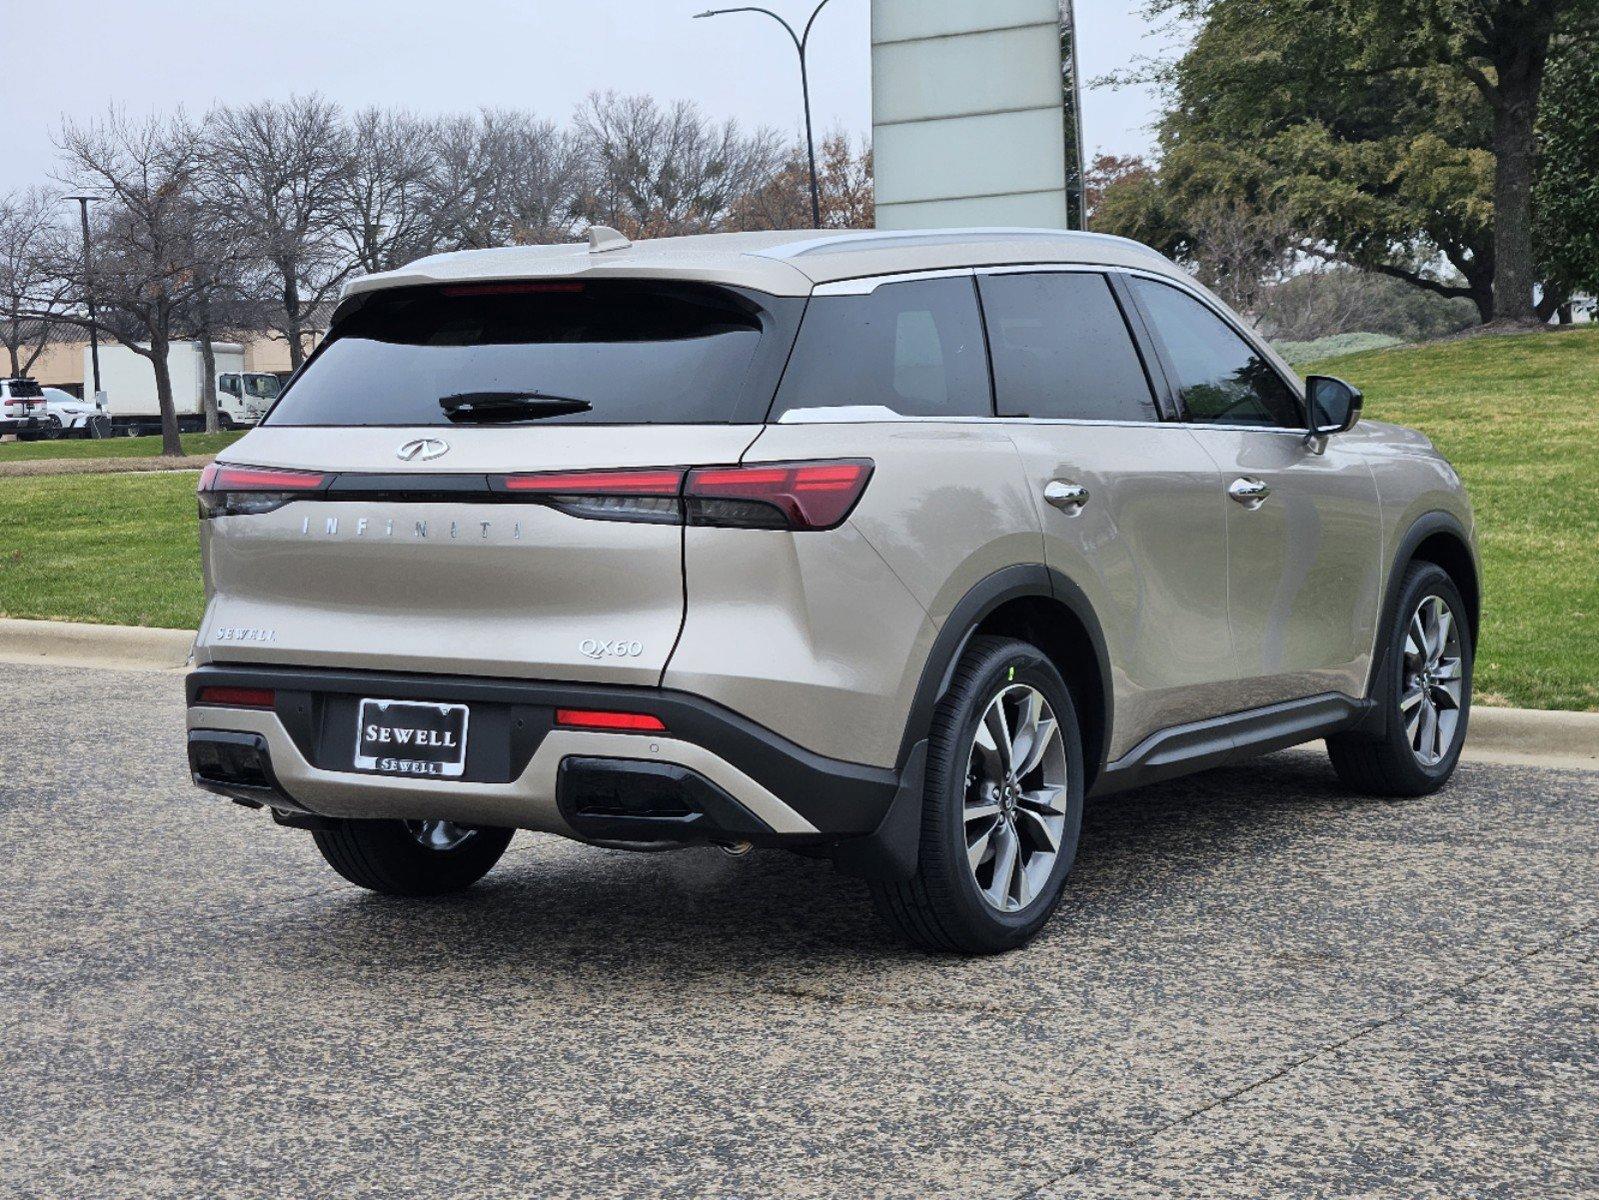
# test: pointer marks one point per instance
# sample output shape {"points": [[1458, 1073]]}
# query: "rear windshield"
{"points": [[608, 352], [27, 388]]}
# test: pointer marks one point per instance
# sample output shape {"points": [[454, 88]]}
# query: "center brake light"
{"points": [[796, 495]]}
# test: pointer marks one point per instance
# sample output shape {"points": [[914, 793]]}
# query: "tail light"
{"points": [[237, 697], [611, 722], [809, 495], [650, 495], [227, 490]]}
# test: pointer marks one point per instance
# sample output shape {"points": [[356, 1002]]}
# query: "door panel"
{"points": [[1149, 548], [1304, 563]]}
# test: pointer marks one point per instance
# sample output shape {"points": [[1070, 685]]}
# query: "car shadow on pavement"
{"points": [[558, 907]]}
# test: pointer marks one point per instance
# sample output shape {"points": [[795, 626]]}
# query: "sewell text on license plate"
{"points": [[405, 737]]}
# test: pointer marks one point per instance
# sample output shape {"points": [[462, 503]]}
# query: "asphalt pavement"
{"points": [[1259, 985]]}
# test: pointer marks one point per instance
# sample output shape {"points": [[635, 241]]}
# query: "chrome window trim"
{"points": [[867, 284]]}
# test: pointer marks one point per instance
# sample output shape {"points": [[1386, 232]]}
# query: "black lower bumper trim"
{"points": [[840, 799], [629, 800], [238, 766]]}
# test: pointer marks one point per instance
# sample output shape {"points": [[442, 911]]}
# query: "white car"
{"points": [[66, 415]]}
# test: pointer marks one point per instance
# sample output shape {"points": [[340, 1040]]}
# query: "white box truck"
{"points": [[128, 380]]}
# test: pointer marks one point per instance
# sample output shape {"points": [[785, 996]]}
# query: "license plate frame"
{"points": [[438, 728]]}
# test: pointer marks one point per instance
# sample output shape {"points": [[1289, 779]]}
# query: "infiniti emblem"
{"points": [[422, 450]]}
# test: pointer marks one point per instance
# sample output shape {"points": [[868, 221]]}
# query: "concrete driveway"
{"points": [[1258, 986]]}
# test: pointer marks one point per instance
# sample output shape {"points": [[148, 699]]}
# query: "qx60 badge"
{"points": [[422, 450]]}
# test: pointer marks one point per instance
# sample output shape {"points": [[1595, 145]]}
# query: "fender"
{"points": [[1003, 586], [1424, 527]]}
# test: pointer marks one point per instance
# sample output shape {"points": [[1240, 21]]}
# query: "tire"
{"points": [[99, 426], [943, 906], [1392, 763], [391, 857]]}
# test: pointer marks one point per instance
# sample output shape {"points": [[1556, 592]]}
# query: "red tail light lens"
{"points": [[237, 697], [613, 722], [227, 490], [807, 495], [650, 494]]}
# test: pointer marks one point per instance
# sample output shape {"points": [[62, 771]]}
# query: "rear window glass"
{"points": [[24, 388], [609, 352], [914, 348]]}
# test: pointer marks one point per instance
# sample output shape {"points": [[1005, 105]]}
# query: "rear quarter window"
{"points": [[914, 348], [603, 352]]}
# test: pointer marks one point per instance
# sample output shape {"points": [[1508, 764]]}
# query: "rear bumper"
{"points": [[713, 776], [19, 424]]}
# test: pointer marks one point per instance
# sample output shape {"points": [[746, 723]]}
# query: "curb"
{"points": [[70, 644], [1512, 735]]}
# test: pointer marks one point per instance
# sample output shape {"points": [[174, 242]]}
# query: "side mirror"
{"points": [[1334, 405]]}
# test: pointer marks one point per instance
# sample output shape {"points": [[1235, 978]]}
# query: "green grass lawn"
{"points": [[111, 549], [1519, 417], [118, 447]]}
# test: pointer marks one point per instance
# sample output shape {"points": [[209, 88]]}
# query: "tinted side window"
{"points": [[1061, 349], [915, 348], [1222, 378]]}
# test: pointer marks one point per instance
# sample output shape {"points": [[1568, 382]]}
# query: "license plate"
{"points": [[402, 737]]}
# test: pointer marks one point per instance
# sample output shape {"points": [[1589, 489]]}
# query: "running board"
{"points": [[1184, 749]]}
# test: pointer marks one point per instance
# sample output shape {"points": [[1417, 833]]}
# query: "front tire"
{"points": [[1425, 691], [1002, 808], [411, 858]]}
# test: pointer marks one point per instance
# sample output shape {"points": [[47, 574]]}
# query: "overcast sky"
{"points": [[75, 57]]}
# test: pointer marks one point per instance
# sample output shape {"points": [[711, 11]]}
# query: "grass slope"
{"points": [[1519, 418], [120, 447]]}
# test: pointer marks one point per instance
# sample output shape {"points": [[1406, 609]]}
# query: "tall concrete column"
{"points": [[968, 113]]}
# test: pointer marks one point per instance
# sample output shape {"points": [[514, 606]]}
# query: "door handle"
{"points": [[1251, 493], [1067, 496]]}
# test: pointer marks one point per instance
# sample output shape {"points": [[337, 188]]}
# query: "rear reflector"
{"points": [[810, 495], [237, 697], [621, 722]]}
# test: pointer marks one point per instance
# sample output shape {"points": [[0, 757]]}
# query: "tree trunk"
{"points": [[291, 326], [1519, 63], [171, 443], [208, 369]]}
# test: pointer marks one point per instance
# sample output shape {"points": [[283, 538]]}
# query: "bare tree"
{"points": [[654, 171], [1240, 251], [503, 178], [30, 242], [146, 239], [277, 173], [387, 215], [843, 184]]}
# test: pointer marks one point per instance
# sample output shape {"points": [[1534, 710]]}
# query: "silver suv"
{"points": [[888, 548]]}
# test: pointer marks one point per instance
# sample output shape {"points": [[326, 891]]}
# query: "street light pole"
{"points": [[801, 44], [88, 284]]}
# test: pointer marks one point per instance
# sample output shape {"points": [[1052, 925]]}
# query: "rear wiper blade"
{"points": [[509, 406]]}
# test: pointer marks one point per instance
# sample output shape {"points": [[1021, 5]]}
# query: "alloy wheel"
{"points": [[440, 835], [1015, 804], [1434, 682]]}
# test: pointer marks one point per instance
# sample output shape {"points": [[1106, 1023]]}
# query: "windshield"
{"points": [[607, 352], [262, 387]]}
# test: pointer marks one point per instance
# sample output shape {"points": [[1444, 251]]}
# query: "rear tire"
{"points": [[958, 901], [410, 858], [1415, 683]]}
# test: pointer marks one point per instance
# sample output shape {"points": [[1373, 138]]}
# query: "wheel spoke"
{"points": [[975, 812], [1006, 852], [993, 734], [1044, 799], [1412, 697], [1428, 733], [1045, 732], [1045, 831], [1446, 622], [979, 848], [1416, 639]]}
